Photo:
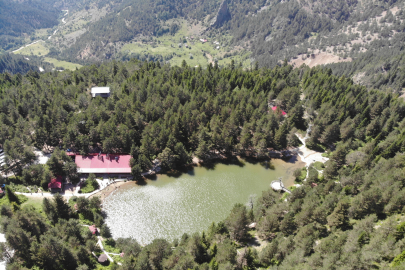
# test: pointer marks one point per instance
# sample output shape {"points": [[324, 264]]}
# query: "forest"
{"points": [[349, 216], [155, 111]]}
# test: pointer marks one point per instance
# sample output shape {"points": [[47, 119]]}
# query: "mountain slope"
{"points": [[356, 33], [23, 17]]}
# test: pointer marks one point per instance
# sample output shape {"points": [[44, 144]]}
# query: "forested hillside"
{"points": [[13, 64], [23, 17], [353, 32], [349, 215]]}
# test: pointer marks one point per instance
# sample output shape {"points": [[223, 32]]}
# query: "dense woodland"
{"points": [[351, 219], [14, 63], [154, 111]]}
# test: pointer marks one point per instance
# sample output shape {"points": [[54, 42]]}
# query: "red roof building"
{"points": [[103, 163], [56, 183], [274, 108]]}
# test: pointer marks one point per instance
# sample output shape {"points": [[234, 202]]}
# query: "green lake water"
{"points": [[168, 206]]}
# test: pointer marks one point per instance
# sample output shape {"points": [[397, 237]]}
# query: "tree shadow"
{"points": [[292, 159], [151, 177]]}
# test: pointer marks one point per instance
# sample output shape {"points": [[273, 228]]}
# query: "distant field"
{"points": [[34, 49], [173, 48], [64, 64], [39, 49]]}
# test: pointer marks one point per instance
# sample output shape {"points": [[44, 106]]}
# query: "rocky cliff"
{"points": [[223, 14]]}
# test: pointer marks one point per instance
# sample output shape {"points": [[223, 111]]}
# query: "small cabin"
{"points": [[100, 91]]}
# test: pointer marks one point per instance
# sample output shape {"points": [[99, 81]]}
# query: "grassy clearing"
{"points": [[318, 165], [34, 49], [63, 64], [35, 202]]}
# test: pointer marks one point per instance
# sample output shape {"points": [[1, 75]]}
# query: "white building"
{"points": [[100, 91]]}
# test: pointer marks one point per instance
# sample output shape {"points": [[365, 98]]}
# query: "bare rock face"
{"points": [[223, 14]]}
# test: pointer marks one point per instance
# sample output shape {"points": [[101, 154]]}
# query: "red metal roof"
{"points": [[55, 182], [275, 108], [93, 229], [102, 164]]}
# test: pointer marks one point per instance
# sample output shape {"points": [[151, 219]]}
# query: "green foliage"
{"points": [[90, 184], [300, 174], [11, 196], [236, 222]]}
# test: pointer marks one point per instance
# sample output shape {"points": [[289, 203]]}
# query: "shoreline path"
{"points": [[103, 183]]}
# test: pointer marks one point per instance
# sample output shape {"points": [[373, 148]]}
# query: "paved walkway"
{"points": [[103, 183]]}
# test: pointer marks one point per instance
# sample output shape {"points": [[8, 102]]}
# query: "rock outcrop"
{"points": [[222, 16]]}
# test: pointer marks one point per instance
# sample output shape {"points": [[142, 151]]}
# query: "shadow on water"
{"points": [[268, 165], [292, 159], [264, 162], [151, 177], [210, 165], [141, 182]]}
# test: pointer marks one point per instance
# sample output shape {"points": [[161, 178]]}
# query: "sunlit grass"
{"points": [[63, 64]]}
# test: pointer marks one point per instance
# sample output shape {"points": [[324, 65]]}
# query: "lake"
{"points": [[169, 206]]}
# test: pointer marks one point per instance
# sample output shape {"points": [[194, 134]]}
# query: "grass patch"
{"points": [[284, 197], [327, 154], [34, 49], [318, 165], [62, 64], [35, 202]]}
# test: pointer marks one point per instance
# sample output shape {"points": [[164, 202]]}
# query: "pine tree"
{"points": [[280, 138], [339, 217]]}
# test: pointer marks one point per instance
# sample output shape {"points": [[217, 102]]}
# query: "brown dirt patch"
{"points": [[318, 59]]}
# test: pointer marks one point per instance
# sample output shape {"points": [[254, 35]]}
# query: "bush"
{"points": [[300, 174], [90, 185], [105, 231]]}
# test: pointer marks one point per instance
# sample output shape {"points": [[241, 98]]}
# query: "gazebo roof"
{"points": [[102, 258], [93, 229]]}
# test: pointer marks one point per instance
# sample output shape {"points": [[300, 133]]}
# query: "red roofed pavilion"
{"points": [[55, 184], [100, 163], [274, 108]]}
